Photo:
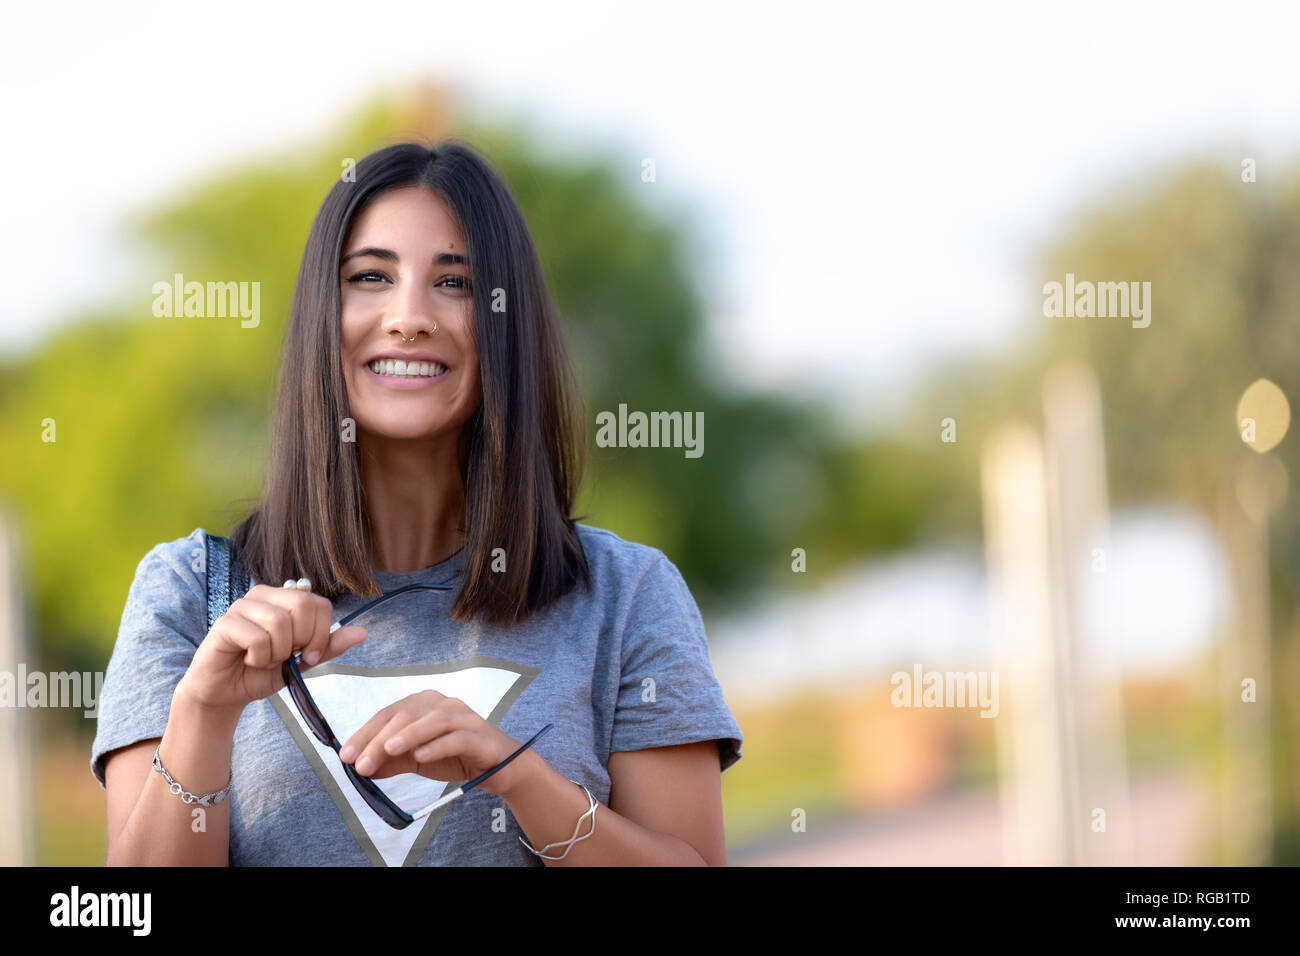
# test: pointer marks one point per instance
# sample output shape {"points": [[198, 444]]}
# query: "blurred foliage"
{"points": [[162, 425], [1221, 256]]}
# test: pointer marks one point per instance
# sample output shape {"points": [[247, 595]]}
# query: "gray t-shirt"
{"points": [[622, 666]]}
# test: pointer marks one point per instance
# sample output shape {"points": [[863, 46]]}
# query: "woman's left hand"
{"points": [[436, 736]]}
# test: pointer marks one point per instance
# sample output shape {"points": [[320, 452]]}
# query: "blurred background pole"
{"points": [[17, 809], [1032, 722], [1079, 522], [1245, 781]]}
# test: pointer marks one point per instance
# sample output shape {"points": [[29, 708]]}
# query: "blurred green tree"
{"points": [[1221, 256], [162, 423]]}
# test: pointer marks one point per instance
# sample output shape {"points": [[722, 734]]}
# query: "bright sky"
{"points": [[874, 178]]}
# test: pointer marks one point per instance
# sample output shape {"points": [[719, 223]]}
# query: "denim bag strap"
{"points": [[227, 578]]}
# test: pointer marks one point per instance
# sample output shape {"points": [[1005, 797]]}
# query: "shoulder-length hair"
{"points": [[521, 451]]}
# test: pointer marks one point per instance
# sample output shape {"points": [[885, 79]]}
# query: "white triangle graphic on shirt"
{"points": [[349, 696]]}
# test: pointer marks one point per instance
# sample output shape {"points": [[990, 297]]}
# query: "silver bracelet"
{"points": [[207, 800], [591, 811]]}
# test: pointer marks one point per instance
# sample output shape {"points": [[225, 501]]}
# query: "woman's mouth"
{"points": [[397, 373]]}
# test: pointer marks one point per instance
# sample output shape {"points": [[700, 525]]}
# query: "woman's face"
{"points": [[404, 273]]}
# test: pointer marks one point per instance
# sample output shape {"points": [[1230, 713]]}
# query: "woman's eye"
{"points": [[371, 277]]}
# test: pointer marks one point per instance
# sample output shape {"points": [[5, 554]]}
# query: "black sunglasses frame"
{"points": [[375, 798]]}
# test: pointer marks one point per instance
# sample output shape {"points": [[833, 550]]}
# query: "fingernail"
{"points": [[311, 657], [347, 753], [364, 765]]}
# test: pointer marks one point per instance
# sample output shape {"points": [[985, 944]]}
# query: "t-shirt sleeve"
{"points": [[163, 622], [668, 692]]}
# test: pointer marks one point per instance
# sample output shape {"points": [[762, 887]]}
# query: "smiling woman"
{"points": [[398, 266], [426, 439]]}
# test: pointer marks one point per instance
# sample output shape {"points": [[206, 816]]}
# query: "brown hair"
{"points": [[522, 450]]}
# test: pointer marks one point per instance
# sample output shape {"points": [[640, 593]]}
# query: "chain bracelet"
{"points": [[207, 800]]}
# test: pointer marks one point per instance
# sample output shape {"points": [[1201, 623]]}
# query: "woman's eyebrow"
{"points": [[441, 259]]}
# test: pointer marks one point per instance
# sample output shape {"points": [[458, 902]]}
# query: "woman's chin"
{"points": [[403, 428]]}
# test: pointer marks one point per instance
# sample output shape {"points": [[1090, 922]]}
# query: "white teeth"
{"points": [[400, 368]]}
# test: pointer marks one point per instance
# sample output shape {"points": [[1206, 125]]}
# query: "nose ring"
{"points": [[417, 334]]}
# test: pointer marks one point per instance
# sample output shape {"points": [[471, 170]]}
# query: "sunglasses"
{"points": [[375, 798]]}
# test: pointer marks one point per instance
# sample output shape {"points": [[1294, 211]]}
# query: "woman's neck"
{"points": [[416, 501]]}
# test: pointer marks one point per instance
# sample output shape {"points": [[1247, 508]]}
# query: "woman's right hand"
{"points": [[240, 659]]}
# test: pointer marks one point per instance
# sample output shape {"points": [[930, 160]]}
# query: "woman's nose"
{"points": [[411, 312]]}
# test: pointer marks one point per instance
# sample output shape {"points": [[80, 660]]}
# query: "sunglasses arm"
{"points": [[471, 784], [440, 802]]}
